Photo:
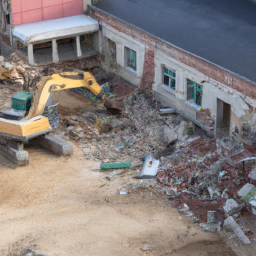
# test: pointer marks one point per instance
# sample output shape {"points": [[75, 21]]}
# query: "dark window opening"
{"points": [[8, 20], [194, 92], [169, 78], [131, 59], [112, 49]]}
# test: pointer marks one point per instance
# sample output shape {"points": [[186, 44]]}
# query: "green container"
{"points": [[116, 165], [22, 101]]}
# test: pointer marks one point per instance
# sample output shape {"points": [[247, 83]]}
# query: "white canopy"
{"points": [[54, 29]]}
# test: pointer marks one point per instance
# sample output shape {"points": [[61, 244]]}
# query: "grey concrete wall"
{"points": [[212, 90], [122, 42]]}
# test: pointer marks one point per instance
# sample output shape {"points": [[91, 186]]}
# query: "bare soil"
{"points": [[60, 206]]}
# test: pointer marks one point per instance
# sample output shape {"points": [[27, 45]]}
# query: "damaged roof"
{"points": [[220, 31]]}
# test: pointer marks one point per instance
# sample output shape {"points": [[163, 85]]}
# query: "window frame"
{"points": [[170, 78], [195, 90], [131, 67]]}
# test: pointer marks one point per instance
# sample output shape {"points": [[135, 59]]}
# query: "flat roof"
{"points": [[56, 28], [221, 31]]}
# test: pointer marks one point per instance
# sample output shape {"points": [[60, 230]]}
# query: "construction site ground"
{"points": [[62, 206]]}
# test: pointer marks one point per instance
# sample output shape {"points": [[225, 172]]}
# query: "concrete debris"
{"points": [[167, 111], [252, 201], [150, 167], [211, 227], [193, 168], [252, 176], [29, 252], [146, 247], [123, 193], [237, 230], [229, 205], [247, 191], [203, 177], [236, 209]]}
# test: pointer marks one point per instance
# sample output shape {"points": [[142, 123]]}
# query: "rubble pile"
{"points": [[211, 180], [135, 134], [197, 173]]}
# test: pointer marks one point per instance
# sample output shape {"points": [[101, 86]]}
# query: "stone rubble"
{"points": [[197, 173]]}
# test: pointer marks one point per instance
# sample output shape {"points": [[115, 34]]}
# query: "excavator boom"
{"points": [[62, 81]]}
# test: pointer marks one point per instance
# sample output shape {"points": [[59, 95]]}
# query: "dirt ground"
{"points": [[60, 206]]}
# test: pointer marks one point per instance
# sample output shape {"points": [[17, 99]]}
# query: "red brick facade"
{"points": [[202, 66], [149, 69]]}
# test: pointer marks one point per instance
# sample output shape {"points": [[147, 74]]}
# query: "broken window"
{"points": [[131, 59], [112, 48], [5, 13], [169, 78], [194, 92]]}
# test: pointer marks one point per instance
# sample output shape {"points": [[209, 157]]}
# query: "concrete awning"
{"points": [[54, 29]]}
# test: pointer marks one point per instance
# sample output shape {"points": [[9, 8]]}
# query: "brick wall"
{"points": [[28, 11], [149, 69], [202, 66]]}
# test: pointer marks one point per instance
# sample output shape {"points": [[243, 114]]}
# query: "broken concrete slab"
{"points": [[237, 230], [252, 201], [56, 145], [150, 167], [18, 157], [229, 205], [247, 191], [211, 227], [252, 176]]}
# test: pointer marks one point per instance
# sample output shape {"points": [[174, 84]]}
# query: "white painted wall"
{"points": [[123, 41], [211, 90]]}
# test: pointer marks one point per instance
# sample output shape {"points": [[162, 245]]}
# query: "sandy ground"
{"points": [[61, 206], [57, 205]]}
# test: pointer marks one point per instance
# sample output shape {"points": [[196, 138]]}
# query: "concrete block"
{"points": [[18, 157], [229, 205], [55, 144], [252, 176], [247, 191]]}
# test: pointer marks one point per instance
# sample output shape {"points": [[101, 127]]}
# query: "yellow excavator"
{"points": [[32, 124]]}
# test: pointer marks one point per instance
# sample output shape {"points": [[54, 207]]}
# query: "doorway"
{"points": [[222, 126]]}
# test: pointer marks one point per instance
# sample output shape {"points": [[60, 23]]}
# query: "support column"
{"points": [[31, 54], [78, 47], [55, 54]]}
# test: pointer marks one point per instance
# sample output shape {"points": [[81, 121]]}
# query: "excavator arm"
{"points": [[62, 81]]}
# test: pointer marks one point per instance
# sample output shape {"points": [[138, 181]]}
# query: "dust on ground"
{"points": [[60, 206]]}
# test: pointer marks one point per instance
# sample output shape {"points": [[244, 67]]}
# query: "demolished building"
{"points": [[192, 60]]}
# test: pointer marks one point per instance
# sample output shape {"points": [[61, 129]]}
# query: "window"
{"points": [[131, 59], [112, 49], [169, 78], [194, 92]]}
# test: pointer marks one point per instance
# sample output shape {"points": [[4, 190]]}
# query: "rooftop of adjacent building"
{"points": [[220, 31]]}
